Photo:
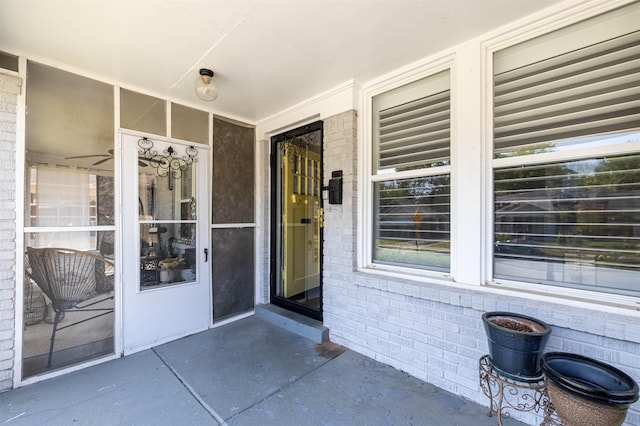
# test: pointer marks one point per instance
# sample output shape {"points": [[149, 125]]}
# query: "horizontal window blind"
{"points": [[411, 216], [575, 223], [410, 125], [554, 102], [415, 134], [413, 221], [607, 26]]}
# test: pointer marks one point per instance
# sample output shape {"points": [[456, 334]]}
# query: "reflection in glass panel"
{"points": [[568, 144], [162, 198], [412, 222], [166, 257], [570, 224], [143, 113], [167, 217], [189, 124], [299, 241], [68, 301]]}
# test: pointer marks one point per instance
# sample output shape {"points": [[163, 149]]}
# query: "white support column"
{"points": [[466, 159]]}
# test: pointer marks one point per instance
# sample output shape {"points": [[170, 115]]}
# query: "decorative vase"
{"points": [[587, 392], [516, 343]]}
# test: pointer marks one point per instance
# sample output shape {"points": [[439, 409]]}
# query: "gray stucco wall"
{"points": [[9, 90]]}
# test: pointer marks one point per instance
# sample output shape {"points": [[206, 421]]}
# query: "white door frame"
{"points": [[154, 316]]}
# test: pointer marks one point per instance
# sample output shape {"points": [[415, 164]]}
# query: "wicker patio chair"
{"points": [[35, 305], [69, 278]]}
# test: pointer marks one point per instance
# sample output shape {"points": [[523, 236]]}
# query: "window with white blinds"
{"points": [[413, 222], [555, 103], [411, 126], [411, 214], [574, 222], [415, 134]]}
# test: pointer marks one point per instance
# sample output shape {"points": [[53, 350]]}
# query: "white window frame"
{"points": [[407, 75], [563, 18]]}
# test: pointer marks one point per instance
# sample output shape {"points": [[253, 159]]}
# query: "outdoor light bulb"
{"points": [[206, 86]]}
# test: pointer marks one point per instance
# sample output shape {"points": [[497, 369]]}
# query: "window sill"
{"points": [[607, 302]]}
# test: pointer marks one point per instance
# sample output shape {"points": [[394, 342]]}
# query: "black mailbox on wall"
{"points": [[335, 187]]}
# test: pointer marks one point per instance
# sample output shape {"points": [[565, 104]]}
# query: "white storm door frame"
{"points": [[156, 315]]}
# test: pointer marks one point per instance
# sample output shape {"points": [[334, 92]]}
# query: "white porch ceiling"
{"points": [[267, 54]]}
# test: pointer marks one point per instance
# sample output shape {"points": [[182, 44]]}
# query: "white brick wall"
{"points": [[263, 221], [9, 90], [435, 331]]}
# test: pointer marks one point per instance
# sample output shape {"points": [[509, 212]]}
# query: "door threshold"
{"points": [[296, 323]]}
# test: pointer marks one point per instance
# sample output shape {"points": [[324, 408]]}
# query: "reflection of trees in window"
{"points": [[530, 201], [612, 210], [413, 222], [415, 209], [588, 205], [521, 151]]}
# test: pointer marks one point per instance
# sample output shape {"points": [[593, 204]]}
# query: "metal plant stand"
{"points": [[506, 394]]}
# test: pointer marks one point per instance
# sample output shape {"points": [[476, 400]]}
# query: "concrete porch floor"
{"points": [[249, 372]]}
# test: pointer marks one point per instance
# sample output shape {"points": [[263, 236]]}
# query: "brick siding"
{"points": [[434, 331], [9, 90]]}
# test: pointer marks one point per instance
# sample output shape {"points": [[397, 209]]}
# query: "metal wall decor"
{"points": [[169, 163], [300, 145]]}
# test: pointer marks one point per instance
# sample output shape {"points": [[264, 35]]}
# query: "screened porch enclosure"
{"points": [[71, 235]]}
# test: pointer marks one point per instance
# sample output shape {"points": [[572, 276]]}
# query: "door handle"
{"points": [[206, 254]]}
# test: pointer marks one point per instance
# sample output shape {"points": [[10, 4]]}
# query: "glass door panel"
{"points": [[167, 220], [298, 211]]}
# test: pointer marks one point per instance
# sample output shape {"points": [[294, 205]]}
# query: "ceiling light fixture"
{"points": [[206, 86]]}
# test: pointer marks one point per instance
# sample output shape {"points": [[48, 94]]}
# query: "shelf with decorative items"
{"points": [[507, 394]]}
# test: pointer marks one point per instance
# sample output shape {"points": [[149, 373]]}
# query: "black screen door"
{"points": [[296, 241]]}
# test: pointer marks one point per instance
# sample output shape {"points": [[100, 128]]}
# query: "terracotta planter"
{"points": [[587, 392], [516, 343]]}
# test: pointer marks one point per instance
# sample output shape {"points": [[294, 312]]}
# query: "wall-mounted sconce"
{"points": [[206, 86]]}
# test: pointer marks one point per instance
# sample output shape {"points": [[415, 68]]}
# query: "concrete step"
{"points": [[294, 322]]}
